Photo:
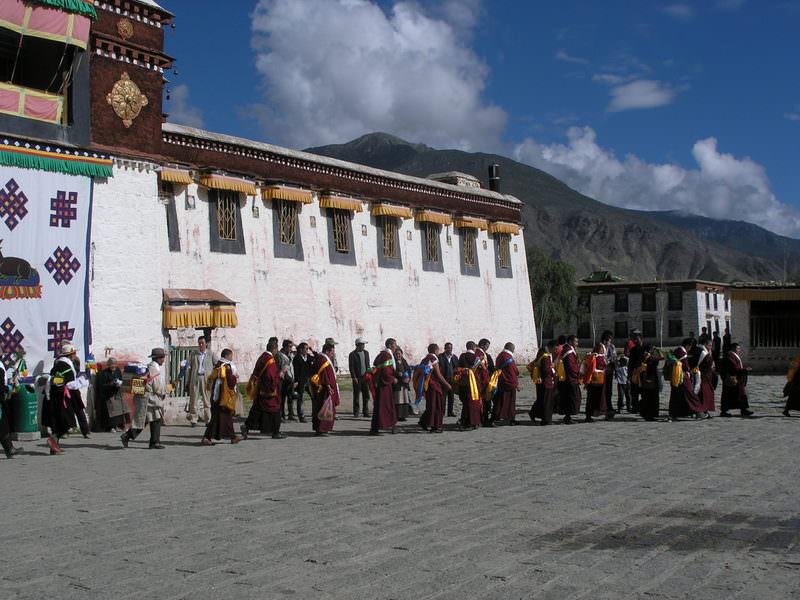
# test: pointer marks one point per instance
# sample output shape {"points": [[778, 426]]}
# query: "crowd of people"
{"points": [[388, 389]]}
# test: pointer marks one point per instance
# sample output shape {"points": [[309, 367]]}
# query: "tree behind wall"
{"points": [[552, 289]]}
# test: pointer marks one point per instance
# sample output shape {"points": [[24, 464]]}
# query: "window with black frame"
{"points": [[225, 222], [648, 301], [341, 230], [675, 328], [675, 300], [287, 222], [166, 193], [431, 233]]}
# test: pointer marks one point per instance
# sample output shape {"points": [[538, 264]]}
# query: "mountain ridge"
{"points": [[579, 230]]}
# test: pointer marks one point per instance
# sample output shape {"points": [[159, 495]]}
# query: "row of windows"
{"points": [[649, 329], [649, 301], [227, 236]]}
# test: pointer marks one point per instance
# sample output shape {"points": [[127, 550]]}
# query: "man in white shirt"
{"points": [[201, 364]]}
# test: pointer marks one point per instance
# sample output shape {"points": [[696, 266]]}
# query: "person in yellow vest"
{"points": [[221, 385], [594, 376]]}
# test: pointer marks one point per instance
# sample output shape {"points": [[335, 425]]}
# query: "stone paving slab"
{"points": [[691, 509]]}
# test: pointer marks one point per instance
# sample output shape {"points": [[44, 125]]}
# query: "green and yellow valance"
{"points": [[224, 181], [381, 209], [290, 193], [79, 7], [197, 308], [175, 174], [51, 158], [334, 200], [504, 227], [471, 223], [44, 20], [433, 216]]}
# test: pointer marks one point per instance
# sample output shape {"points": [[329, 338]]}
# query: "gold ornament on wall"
{"points": [[125, 29], [126, 99]]}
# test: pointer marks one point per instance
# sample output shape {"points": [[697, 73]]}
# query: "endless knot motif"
{"points": [[10, 341], [57, 331], [64, 209], [12, 204], [62, 266]]}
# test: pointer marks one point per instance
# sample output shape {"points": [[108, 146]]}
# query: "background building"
{"points": [[664, 311], [766, 321]]}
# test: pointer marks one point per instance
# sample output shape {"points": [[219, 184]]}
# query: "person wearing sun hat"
{"points": [[58, 414], [148, 408]]}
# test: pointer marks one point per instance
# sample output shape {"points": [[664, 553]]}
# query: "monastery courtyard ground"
{"points": [[606, 510]]}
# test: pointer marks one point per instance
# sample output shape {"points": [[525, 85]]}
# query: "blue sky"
{"points": [[693, 106]]}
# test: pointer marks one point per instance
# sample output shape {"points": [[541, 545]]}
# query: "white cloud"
{"points": [[608, 78], [179, 109], [562, 55], [721, 186], [680, 11], [642, 93], [792, 116], [336, 69]]}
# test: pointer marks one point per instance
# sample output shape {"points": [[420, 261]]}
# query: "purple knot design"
{"points": [[64, 209], [12, 204], [58, 331], [10, 341], [62, 266]]}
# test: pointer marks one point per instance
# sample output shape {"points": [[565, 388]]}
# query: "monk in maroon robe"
{"points": [[223, 392], [596, 404], [569, 394], [705, 367], [683, 402], [734, 384], [482, 377], [263, 388], [384, 414], [324, 386], [505, 403], [649, 382], [542, 409], [433, 417], [471, 398]]}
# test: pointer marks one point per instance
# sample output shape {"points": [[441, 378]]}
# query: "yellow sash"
{"points": [[315, 377], [473, 383]]}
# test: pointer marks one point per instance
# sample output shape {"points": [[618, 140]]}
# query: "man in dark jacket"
{"points": [[358, 365], [301, 363], [448, 363]]}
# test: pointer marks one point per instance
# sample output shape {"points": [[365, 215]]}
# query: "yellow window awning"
{"points": [[471, 223], [380, 209], [197, 308], [333, 200], [432, 216], [176, 175], [223, 181], [504, 227], [290, 193]]}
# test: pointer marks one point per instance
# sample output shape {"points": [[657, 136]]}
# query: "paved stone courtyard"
{"points": [[615, 509]]}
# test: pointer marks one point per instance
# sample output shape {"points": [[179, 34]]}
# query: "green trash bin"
{"points": [[24, 409]]}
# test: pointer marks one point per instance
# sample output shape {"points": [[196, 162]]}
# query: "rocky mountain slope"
{"points": [[578, 229]]}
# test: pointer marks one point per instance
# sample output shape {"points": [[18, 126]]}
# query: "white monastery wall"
{"points": [[304, 300]]}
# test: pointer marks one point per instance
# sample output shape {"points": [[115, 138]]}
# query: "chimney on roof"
{"points": [[494, 177]]}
